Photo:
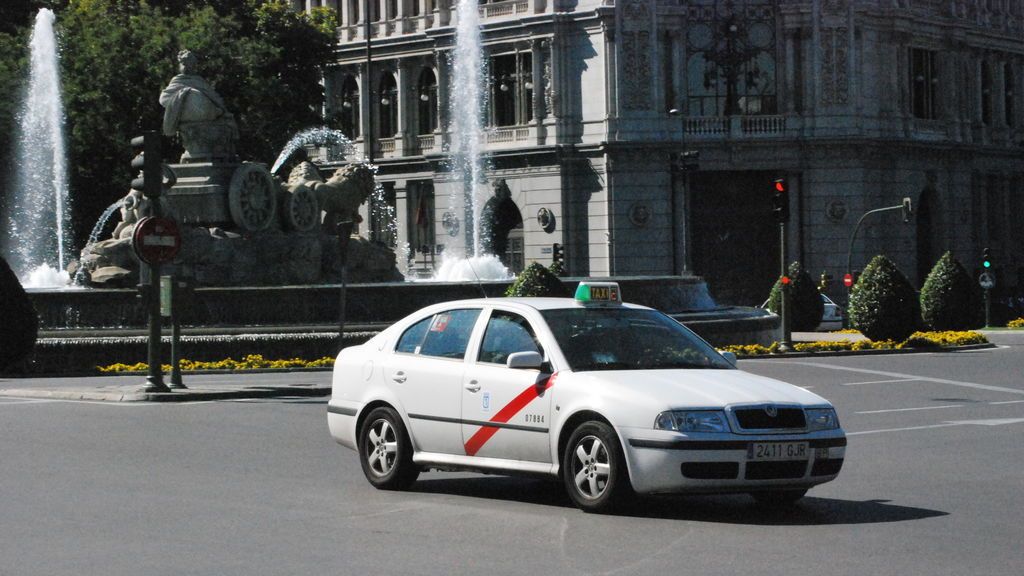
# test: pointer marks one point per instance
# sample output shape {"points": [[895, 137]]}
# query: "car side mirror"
{"points": [[730, 357], [525, 361]]}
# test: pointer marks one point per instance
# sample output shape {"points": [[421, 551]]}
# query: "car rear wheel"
{"points": [[778, 497], [594, 468], [385, 451]]}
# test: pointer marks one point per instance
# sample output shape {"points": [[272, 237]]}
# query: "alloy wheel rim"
{"points": [[381, 447], [591, 469]]}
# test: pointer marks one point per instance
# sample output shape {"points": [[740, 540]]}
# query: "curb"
{"points": [[826, 353], [138, 394]]}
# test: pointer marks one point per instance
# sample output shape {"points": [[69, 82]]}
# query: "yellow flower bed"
{"points": [[250, 362], [916, 340], [1017, 323]]}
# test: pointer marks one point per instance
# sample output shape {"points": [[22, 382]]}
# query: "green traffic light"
{"points": [[986, 264]]}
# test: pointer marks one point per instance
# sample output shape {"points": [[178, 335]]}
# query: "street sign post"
{"points": [[987, 281]]}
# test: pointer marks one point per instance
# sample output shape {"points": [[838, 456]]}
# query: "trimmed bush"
{"points": [[536, 280], [883, 304], [948, 299], [806, 306], [21, 324]]}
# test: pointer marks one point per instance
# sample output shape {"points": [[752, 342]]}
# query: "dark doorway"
{"points": [[735, 239]]}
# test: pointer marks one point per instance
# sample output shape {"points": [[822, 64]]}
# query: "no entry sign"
{"points": [[156, 240]]}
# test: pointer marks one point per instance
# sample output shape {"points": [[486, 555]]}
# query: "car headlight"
{"points": [[692, 421], [821, 419]]}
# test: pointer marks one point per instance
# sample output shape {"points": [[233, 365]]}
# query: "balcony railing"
{"points": [[735, 126], [508, 8]]}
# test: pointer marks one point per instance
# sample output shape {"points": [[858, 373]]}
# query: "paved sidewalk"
{"points": [[201, 387]]}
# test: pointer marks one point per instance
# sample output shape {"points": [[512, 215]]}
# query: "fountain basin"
{"points": [[84, 328]]}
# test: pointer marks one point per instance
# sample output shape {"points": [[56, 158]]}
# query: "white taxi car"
{"points": [[612, 398]]}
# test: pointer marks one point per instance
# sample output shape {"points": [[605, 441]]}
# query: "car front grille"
{"points": [[760, 418]]}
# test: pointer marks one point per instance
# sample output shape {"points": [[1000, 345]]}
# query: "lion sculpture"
{"points": [[341, 195]]}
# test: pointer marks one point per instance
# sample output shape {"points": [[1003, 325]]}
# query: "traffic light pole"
{"points": [[786, 344], [907, 211]]}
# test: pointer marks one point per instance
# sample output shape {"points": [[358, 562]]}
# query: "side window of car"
{"points": [[448, 335], [507, 333], [410, 341]]}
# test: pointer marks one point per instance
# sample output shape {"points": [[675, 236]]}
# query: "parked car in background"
{"points": [[831, 315]]}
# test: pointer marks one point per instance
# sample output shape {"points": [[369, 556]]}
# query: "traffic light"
{"points": [[147, 164], [907, 210], [556, 252], [986, 258], [780, 201]]}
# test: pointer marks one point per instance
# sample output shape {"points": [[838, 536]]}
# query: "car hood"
{"points": [[668, 389]]}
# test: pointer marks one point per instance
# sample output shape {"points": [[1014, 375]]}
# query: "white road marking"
{"points": [[911, 409], [973, 385], [880, 382], [945, 425], [990, 422], [1007, 402], [6, 400]]}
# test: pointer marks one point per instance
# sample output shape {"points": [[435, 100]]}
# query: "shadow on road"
{"points": [[724, 509]]}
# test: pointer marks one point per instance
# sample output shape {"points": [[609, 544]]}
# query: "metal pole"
{"points": [[367, 30], [176, 383], [849, 249], [786, 344], [988, 307], [155, 378]]}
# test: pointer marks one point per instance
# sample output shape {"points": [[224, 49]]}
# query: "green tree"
{"points": [[949, 299], [536, 280], [883, 304], [805, 301], [21, 324], [264, 59]]}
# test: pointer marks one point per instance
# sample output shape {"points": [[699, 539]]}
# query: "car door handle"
{"points": [[473, 386], [399, 377]]}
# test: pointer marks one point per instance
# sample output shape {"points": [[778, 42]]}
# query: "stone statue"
{"points": [[196, 112], [341, 195]]}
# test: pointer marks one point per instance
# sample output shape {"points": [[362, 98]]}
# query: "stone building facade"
{"points": [[856, 103]]}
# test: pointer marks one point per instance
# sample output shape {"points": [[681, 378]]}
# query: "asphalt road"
{"points": [[933, 485]]}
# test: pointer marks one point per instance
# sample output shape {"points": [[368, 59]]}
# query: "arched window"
{"points": [[345, 109], [427, 97], [388, 92]]}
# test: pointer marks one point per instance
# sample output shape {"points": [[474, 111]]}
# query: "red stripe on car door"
{"points": [[477, 441]]}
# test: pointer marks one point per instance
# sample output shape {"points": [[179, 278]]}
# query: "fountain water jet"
{"points": [[38, 224], [467, 112]]}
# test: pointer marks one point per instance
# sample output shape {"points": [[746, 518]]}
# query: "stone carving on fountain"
{"points": [[240, 224]]}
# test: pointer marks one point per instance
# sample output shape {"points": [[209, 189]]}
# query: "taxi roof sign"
{"points": [[599, 292]]}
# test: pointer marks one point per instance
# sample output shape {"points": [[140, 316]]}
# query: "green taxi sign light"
{"points": [[594, 292]]}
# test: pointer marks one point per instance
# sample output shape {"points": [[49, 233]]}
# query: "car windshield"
{"points": [[621, 338]]}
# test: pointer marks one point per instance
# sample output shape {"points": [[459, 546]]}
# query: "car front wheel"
{"points": [[385, 451], [594, 468]]}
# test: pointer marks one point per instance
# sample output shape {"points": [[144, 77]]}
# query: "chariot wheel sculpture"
{"points": [[301, 210], [251, 197]]}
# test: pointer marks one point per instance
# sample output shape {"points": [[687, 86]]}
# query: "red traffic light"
{"points": [[785, 280], [780, 185], [848, 280]]}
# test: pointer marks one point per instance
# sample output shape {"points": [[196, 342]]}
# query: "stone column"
{"points": [[405, 101], [366, 109], [537, 78], [443, 72]]}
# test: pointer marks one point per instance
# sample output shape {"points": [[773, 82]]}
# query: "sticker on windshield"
{"points": [[485, 402], [440, 322]]}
